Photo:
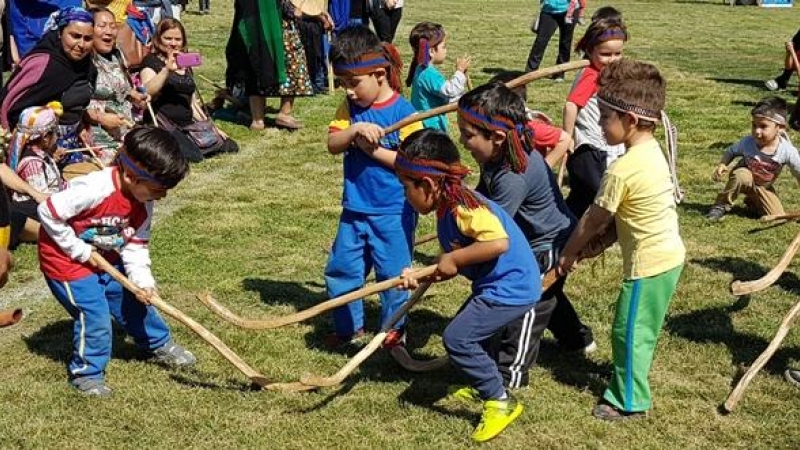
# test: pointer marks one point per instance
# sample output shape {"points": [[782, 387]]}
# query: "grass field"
{"points": [[251, 228]]}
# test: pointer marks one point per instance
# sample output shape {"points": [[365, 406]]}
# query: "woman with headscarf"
{"points": [[57, 69]]}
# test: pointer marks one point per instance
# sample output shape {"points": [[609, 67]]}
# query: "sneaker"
{"points": [[394, 338], [716, 213], [497, 415], [591, 348], [174, 355], [91, 387], [334, 341], [463, 393], [792, 376], [773, 85]]}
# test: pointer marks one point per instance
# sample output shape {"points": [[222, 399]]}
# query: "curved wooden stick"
{"points": [[407, 362], [10, 317], [255, 377], [772, 218], [748, 287], [562, 170], [762, 359], [276, 322], [519, 81], [366, 352]]}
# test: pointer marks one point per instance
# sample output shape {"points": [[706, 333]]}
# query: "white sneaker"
{"points": [[771, 85]]}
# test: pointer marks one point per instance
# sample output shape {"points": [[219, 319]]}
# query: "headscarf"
{"points": [[34, 123], [60, 19]]}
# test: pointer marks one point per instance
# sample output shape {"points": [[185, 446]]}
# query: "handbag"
{"points": [[202, 133]]}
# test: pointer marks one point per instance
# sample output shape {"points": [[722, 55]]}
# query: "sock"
{"points": [[784, 77]]}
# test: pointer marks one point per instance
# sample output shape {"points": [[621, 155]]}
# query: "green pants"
{"points": [[641, 308]]}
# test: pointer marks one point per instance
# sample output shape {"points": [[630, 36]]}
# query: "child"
{"points": [[108, 213], [550, 141], [761, 155], [429, 89], [780, 82], [638, 194], [603, 43], [491, 119], [377, 224], [480, 241], [31, 155]]}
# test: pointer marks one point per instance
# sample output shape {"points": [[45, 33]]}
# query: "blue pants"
{"points": [[363, 241], [92, 302], [468, 332]]}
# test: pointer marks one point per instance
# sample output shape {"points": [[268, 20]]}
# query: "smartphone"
{"points": [[185, 60]]}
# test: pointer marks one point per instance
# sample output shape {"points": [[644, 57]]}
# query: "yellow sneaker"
{"points": [[497, 415], [463, 393]]}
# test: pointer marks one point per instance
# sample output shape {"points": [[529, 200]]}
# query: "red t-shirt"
{"points": [[584, 87], [545, 136]]}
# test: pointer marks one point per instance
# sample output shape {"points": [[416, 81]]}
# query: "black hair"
{"points": [[607, 12], [495, 99], [95, 10], [432, 144], [770, 106], [596, 32], [509, 75], [158, 153], [422, 30], [356, 41]]}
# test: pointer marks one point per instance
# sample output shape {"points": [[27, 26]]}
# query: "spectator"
{"points": [[385, 16], [554, 14]]}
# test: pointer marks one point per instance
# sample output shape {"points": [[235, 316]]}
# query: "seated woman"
{"points": [[111, 109], [32, 156], [175, 95], [57, 69]]}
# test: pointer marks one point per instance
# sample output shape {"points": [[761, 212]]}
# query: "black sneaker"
{"points": [[716, 213], [792, 376]]}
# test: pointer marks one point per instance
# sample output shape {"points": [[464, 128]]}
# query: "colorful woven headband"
{"points": [[518, 136], [452, 174], [364, 65], [775, 117], [423, 55], [138, 171], [623, 106], [63, 17]]}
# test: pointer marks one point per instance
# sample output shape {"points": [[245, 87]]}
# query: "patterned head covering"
{"points": [[65, 16], [34, 123]]}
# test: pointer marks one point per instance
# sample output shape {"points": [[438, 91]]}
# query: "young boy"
{"points": [[480, 241], [377, 225], [108, 213], [762, 156], [520, 182], [638, 195]]}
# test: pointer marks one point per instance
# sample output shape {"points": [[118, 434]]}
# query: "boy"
{"points": [[108, 213], [522, 184], [762, 156], [377, 224], [638, 194], [480, 241]]}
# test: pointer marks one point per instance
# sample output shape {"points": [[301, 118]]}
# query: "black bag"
{"points": [[202, 133]]}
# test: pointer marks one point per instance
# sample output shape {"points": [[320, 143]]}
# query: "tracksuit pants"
{"points": [[364, 241], [92, 302]]}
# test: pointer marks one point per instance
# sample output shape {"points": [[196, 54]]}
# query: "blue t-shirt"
{"points": [[555, 6], [369, 186], [512, 278], [426, 94]]}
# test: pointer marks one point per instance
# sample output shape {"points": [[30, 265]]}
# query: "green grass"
{"points": [[252, 227]]}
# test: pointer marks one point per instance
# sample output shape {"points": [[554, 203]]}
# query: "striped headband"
{"points": [[423, 54], [364, 65], [623, 106], [138, 171], [455, 192], [774, 117], [518, 136]]}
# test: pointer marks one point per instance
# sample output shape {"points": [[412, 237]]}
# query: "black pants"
{"points": [[516, 346], [585, 168], [547, 26], [384, 20], [205, 5]]}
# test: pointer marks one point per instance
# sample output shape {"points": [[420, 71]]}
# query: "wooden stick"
{"points": [[749, 287], [10, 317], [762, 359], [562, 170], [420, 241], [774, 217], [469, 82], [519, 81], [275, 322], [153, 114], [255, 377], [223, 91], [331, 83], [85, 149], [407, 362], [366, 352]]}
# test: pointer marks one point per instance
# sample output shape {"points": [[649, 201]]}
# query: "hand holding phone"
{"points": [[185, 60]]}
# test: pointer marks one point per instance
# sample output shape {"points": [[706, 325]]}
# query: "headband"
{"points": [[520, 140], [773, 117], [138, 171], [423, 54], [452, 176], [63, 17], [670, 132], [611, 34], [363, 65]]}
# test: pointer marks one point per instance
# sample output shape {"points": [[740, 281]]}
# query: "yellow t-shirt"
{"points": [[637, 189]]}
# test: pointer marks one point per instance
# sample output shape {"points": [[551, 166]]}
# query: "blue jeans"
{"points": [[363, 241], [92, 302]]}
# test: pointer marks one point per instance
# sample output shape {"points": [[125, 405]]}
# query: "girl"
{"points": [[31, 155], [602, 44], [429, 87]]}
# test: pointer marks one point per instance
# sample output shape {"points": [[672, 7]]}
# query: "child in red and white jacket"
{"points": [[108, 214]]}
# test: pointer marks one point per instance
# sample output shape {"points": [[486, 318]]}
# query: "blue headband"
{"points": [[139, 172], [363, 66], [63, 17]]}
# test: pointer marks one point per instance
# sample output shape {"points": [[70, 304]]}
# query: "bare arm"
{"points": [[570, 115], [153, 81], [593, 224], [12, 181], [475, 253], [561, 149]]}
